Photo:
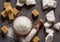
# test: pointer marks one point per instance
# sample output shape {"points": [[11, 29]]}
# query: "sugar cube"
{"points": [[4, 29], [50, 16], [35, 39], [15, 11], [49, 31], [49, 37], [30, 2], [52, 4], [19, 3], [3, 13], [47, 24], [57, 26], [35, 12]]}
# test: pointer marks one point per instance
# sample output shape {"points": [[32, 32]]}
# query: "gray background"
{"points": [[26, 11]]}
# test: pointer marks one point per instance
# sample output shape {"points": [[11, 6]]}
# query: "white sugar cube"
{"points": [[30, 2], [47, 24], [49, 38], [57, 26], [49, 31], [10, 32], [49, 3], [30, 35], [50, 16], [19, 4], [45, 3], [52, 4]]}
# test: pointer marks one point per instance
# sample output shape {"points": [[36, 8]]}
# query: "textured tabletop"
{"points": [[26, 11]]}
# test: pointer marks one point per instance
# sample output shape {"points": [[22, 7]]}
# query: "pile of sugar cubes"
{"points": [[20, 3], [51, 21], [49, 3]]}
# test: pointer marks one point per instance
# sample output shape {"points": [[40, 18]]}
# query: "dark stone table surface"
{"points": [[26, 11]]}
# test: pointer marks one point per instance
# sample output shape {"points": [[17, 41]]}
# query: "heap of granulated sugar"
{"points": [[22, 25]]}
